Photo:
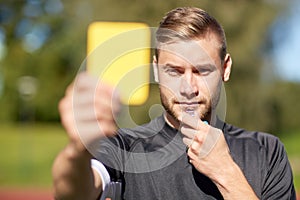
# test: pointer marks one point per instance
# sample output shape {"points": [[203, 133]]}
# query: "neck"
{"points": [[171, 121]]}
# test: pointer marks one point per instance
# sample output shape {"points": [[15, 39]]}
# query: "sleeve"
{"points": [[111, 189], [109, 162], [278, 182], [101, 170]]}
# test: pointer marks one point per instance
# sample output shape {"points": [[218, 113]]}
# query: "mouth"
{"points": [[188, 103], [189, 107]]}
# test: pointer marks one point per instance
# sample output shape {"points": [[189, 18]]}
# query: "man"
{"points": [[188, 153]]}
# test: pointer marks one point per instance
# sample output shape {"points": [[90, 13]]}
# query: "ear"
{"points": [[155, 69], [227, 67]]}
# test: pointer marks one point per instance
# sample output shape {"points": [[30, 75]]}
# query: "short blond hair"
{"points": [[188, 23]]}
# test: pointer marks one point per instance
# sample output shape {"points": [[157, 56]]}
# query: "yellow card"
{"points": [[119, 53]]}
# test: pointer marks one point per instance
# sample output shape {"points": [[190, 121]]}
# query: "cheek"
{"points": [[167, 92], [214, 85], [169, 86], [210, 85]]}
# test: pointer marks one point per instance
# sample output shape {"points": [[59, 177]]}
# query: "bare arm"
{"points": [[87, 115]]}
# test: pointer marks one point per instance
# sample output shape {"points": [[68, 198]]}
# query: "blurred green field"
{"points": [[291, 142], [27, 153]]}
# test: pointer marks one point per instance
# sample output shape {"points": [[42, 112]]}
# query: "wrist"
{"points": [[233, 184]]}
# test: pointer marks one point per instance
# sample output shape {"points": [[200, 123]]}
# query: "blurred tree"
{"points": [[39, 44]]}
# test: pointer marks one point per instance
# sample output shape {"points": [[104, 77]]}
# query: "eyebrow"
{"points": [[207, 65], [169, 65]]}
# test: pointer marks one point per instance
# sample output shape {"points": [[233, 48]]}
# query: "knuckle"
{"points": [[199, 138], [193, 148], [107, 128]]}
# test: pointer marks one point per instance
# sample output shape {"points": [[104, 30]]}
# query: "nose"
{"points": [[188, 86]]}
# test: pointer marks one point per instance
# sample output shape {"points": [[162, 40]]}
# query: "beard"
{"points": [[175, 110]]}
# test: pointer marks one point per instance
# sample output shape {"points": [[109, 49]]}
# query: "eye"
{"points": [[203, 70], [171, 71]]}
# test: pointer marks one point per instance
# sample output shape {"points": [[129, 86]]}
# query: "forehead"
{"points": [[193, 52]]}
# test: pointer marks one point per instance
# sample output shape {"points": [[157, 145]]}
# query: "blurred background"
{"points": [[43, 44]]}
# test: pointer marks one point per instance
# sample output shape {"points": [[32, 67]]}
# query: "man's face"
{"points": [[190, 78]]}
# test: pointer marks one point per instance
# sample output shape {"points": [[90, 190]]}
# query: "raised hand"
{"points": [[88, 109]]}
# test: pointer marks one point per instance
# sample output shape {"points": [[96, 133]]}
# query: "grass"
{"points": [[27, 153]]}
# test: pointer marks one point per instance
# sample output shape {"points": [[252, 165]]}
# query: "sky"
{"points": [[286, 40]]}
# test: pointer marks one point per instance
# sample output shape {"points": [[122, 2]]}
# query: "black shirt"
{"points": [[151, 162]]}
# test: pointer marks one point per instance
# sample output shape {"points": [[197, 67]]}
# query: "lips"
{"points": [[187, 103], [188, 106]]}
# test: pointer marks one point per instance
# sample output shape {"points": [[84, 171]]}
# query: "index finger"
{"points": [[193, 122]]}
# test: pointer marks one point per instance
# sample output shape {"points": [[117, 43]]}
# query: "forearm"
{"points": [[234, 185], [73, 177]]}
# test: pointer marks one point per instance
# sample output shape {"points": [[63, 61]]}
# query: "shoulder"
{"points": [[263, 158], [254, 144], [142, 132], [154, 125], [261, 139]]}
